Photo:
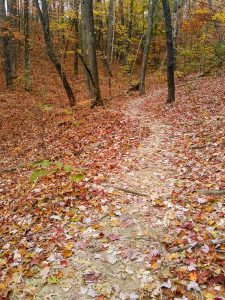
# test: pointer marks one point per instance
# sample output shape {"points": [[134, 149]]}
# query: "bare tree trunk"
{"points": [[87, 12], [169, 47], [130, 25], [151, 7], [12, 9], [175, 30], [44, 17], [26, 46], [176, 8], [76, 36], [99, 24], [110, 31], [6, 46]]}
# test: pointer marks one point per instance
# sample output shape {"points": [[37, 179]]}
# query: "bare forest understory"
{"points": [[123, 201]]}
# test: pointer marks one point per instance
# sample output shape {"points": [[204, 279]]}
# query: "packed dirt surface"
{"points": [[115, 259]]}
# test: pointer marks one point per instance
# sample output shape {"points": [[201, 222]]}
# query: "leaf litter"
{"points": [[83, 239]]}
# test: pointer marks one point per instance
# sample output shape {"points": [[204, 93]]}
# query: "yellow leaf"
{"points": [[173, 256], [208, 295], [69, 246], [2, 286]]}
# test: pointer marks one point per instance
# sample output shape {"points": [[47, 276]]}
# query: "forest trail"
{"points": [[137, 225], [122, 258]]}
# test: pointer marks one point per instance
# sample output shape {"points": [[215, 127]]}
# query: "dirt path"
{"points": [[121, 257]]}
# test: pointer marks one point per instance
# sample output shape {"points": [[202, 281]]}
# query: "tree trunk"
{"points": [[99, 24], [130, 26], [87, 12], [26, 46], [12, 9], [76, 36], [6, 46], [44, 17], [110, 31], [169, 48], [175, 30], [151, 7], [121, 12]]}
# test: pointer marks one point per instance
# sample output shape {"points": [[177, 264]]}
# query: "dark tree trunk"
{"points": [[76, 36], [87, 12], [121, 12], [110, 31], [151, 7], [169, 48], [12, 9], [26, 46], [99, 24], [6, 46], [44, 17]]}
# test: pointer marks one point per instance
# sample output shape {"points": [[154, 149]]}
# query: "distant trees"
{"points": [[117, 34]]}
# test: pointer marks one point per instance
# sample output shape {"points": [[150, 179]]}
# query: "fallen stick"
{"points": [[179, 249], [211, 192], [127, 190]]}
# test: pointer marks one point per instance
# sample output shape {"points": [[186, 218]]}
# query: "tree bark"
{"points": [[151, 7], [12, 9], [87, 13], [175, 30], [76, 36], [130, 26], [44, 18], [110, 31], [6, 46], [26, 46], [169, 48]]}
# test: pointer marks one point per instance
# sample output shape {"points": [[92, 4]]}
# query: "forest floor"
{"points": [[121, 202]]}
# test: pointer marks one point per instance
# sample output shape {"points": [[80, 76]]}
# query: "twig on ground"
{"points": [[179, 249], [211, 192], [126, 190]]}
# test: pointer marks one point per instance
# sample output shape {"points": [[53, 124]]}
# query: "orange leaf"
{"points": [[193, 276], [67, 253]]}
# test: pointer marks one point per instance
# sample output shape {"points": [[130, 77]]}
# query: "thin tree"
{"points": [[26, 46], [76, 4], [90, 43], [148, 37], [5, 37], [169, 48], [177, 5], [110, 31], [44, 18], [130, 25], [12, 10]]}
